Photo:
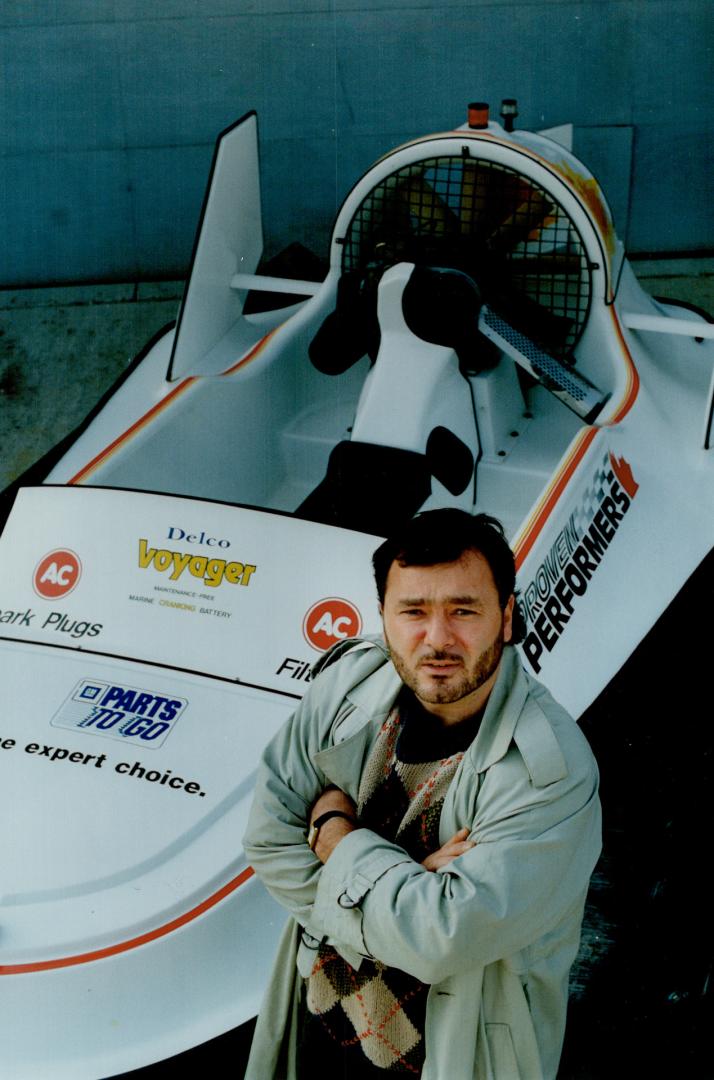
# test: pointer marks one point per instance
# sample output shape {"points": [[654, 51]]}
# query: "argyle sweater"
{"points": [[363, 1023]]}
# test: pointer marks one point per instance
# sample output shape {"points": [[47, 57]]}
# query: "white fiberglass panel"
{"points": [[117, 831], [194, 585], [230, 239]]}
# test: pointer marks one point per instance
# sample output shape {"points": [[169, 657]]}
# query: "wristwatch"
{"points": [[320, 821]]}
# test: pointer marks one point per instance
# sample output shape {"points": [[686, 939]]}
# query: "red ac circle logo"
{"points": [[330, 621], [56, 574]]}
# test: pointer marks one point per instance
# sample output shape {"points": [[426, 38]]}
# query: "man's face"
{"points": [[445, 630]]}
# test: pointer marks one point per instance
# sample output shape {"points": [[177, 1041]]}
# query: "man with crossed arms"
{"points": [[429, 818]]}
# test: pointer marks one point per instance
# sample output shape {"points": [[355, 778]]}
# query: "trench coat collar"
{"points": [[371, 699], [514, 716], [503, 708], [375, 695], [511, 715]]}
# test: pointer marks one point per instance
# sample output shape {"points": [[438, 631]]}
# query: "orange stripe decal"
{"points": [[535, 525], [104, 455], [132, 943], [633, 387], [551, 496], [253, 352], [136, 427]]}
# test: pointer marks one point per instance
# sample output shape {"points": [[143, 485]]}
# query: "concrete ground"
{"points": [[61, 348]]}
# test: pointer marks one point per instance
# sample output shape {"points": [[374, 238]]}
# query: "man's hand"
{"points": [[336, 828], [454, 847]]}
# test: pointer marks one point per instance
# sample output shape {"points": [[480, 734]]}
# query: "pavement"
{"points": [[62, 347]]}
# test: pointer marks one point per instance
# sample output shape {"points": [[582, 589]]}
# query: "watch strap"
{"points": [[321, 820]]}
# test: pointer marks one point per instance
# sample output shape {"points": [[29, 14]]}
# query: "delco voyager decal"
{"points": [[550, 598], [120, 712], [211, 571]]}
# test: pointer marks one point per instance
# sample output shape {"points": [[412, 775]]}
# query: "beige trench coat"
{"points": [[495, 932]]}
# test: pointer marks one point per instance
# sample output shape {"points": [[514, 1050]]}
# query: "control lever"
{"points": [[569, 385]]}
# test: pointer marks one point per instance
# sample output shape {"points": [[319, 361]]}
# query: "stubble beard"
{"points": [[453, 689]]}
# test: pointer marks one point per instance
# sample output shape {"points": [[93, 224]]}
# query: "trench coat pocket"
{"points": [[504, 1065]]}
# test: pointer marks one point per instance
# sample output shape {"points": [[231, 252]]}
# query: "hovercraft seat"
{"points": [[440, 305], [414, 422], [369, 488]]}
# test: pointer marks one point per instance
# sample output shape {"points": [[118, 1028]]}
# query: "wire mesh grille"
{"points": [[493, 223]]}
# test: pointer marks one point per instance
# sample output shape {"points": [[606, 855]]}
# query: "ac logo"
{"points": [[330, 621], [56, 574]]}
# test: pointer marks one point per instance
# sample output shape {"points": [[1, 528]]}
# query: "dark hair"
{"points": [[442, 536]]}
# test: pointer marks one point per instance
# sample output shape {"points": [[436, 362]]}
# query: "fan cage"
{"points": [[500, 227]]}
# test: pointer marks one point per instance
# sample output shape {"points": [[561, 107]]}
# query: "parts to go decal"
{"points": [[330, 621], [120, 712], [56, 574], [550, 598]]}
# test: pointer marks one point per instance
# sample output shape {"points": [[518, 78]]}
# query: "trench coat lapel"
{"points": [[501, 716], [370, 701]]}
